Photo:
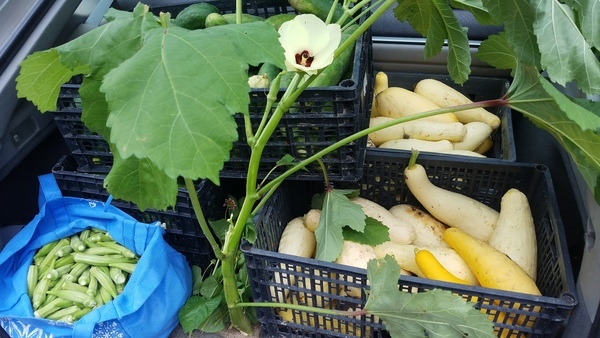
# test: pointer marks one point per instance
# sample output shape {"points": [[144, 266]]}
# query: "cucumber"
{"points": [[215, 19], [278, 19], [194, 15], [320, 8], [246, 18]]}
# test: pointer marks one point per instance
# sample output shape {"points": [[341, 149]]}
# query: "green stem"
{"points": [[234, 235], [263, 200], [364, 27], [191, 188], [238, 11], [324, 170], [271, 98], [305, 308]]}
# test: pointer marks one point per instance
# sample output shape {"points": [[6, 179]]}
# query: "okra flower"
{"points": [[309, 43]]}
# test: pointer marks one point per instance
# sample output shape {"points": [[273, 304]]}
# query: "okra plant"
{"points": [[164, 98]]}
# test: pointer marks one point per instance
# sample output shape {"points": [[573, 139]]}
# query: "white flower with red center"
{"points": [[309, 43]]}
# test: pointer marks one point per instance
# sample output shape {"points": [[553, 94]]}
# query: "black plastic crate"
{"points": [[319, 117], [476, 88], [542, 316], [182, 231]]}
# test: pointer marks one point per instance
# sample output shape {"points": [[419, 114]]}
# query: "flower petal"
{"points": [[293, 36], [308, 33]]}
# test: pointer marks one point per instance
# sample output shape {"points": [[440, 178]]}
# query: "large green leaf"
{"points": [[517, 18], [576, 130], [139, 181], [173, 101], [94, 111], [588, 17], [496, 51], [435, 20], [197, 310], [41, 77], [566, 54], [476, 8], [337, 213], [374, 233], [437, 312]]}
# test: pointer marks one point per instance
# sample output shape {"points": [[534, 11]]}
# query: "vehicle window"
{"points": [[18, 17]]}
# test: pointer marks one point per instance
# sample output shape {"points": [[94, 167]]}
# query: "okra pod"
{"points": [[92, 288], [100, 237], [98, 298], [45, 250], [85, 234], [32, 278], [52, 254], [82, 312], [75, 296], [100, 250], [68, 259], [84, 279], [64, 250], [39, 293], [57, 315], [59, 272], [77, 270], [57, 286], [104, 294], [119, 248], [76, 243], [127, 267], [104, 280], [99, 260], [117, 275], [120, 287], [51, 307], [74, 286]]}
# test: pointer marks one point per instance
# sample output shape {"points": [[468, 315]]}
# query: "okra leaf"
{"points": [[566, 53], [211, 287], [192, 82], [337, 213], [476, 8], [197, 310], [93, 53], [374, 233], [139, 181], [41, 76], [435, 20], [573, 126], [437, 312], [197, 279], [588, 16], [496, 51], [218, 320], [517, 17]]}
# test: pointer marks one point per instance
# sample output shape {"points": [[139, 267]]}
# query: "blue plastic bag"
{"points": [[150, 302]]}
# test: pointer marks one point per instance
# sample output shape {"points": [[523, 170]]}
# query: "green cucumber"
{"points": [[215, 19], [278, 19], [246, 18], [320, 8], [194, 15]]}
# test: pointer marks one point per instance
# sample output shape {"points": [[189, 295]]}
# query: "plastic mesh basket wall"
{"points": [[319, 117], [308, 281], [477, 89], [182, 230]]}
